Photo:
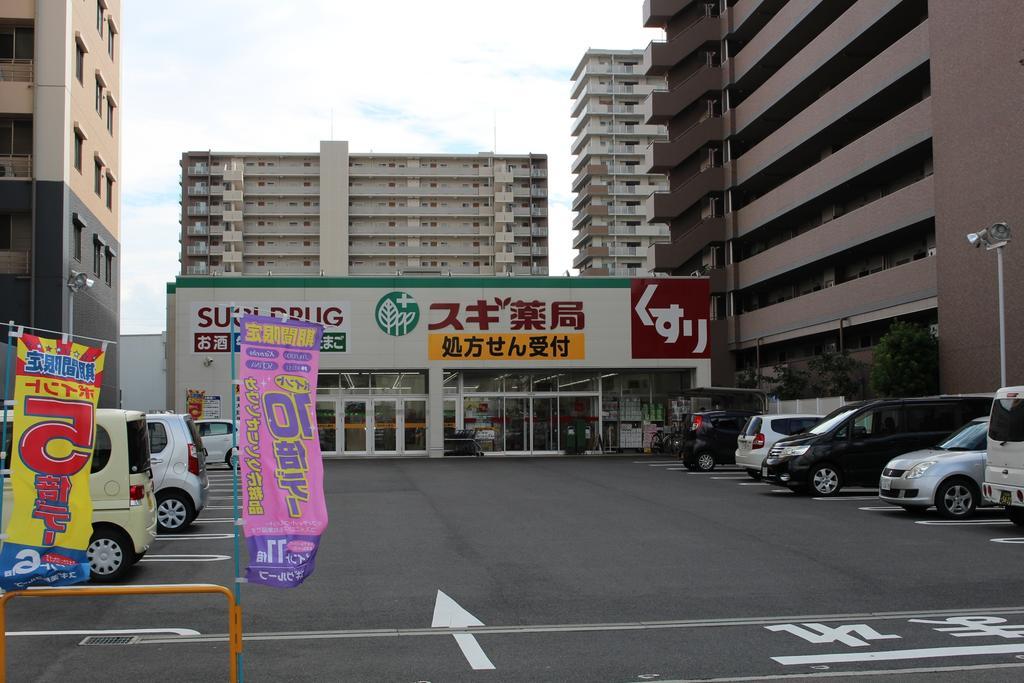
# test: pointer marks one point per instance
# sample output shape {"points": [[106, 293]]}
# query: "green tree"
{"points": [[906, 362], [749, 378], [835, 374], [790, 383]]}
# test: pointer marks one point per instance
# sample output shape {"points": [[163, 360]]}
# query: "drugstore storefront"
{"points": [[527, 365]]}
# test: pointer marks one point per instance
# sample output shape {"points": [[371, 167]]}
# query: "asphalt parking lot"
{"points": [[621, 569]]}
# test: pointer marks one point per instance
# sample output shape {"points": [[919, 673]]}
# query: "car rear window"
{"points": [[138, 446], [1007, 422], [782, 426], [753, 426], [101, 452]]}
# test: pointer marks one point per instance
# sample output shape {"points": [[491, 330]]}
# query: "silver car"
{"points": [[948, 476], [179, 470]]}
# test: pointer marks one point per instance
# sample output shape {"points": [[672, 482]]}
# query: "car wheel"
{"points": [[229, 458], [705, 462], [956, 499], [174, 511], [825, 480], [1016, 515], [754, 474], [110, 554]]}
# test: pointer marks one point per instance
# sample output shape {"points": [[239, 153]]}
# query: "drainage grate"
{"points": [[110, 640]]}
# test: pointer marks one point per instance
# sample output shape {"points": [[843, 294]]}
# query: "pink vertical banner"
{"points": [[282, 473]]}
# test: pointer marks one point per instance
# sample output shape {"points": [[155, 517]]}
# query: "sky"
{"points": [[403, 76]]}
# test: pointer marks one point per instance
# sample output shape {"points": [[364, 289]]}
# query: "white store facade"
{"points": [[526, 364]]}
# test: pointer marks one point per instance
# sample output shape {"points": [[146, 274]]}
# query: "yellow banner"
{"points": [[507, 346], [56, 390]]}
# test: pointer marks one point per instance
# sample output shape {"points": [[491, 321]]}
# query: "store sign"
{"points": [[670, 318], [473, 346], [280, 464], [56, 390], [397, 314], [211, 323]]}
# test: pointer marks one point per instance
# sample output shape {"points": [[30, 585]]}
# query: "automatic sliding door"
{"points": [[354, 427], [385, 426], [414, 425]]}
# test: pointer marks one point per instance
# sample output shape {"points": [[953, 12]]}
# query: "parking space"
{"points": [[620, 569]]}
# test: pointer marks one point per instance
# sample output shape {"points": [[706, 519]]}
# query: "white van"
{"points": [[1004, 471]]}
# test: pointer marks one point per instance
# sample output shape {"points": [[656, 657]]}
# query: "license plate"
{"points": [[1005, 498], [764, 471]]}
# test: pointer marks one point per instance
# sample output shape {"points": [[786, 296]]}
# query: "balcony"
{"points": [[661, 107], [538, 211], [661, 56], [232, 195], [198, 210], [405, 171], [657, 13], [232, 216], [538, 192], [194, 190], [198, 230], [903, 288], [539, 232], [15, 262], [417, 210], [15, 166], [232, 172], [670, 256], [538, 250], [199, 169], [286, 190], [891, 213], [16, 85], [232, 256], [538, 173], [197, 269], [232, 236], [200, 249], [627, 251], [663, 156], [663, 207]]}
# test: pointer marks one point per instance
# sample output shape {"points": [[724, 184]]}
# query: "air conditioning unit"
{"points": [[931, 251]]}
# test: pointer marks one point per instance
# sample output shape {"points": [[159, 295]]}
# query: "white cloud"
{"points": [[406, 76]]}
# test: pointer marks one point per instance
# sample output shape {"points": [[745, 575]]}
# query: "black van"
{"points": [[852, 444], [711, 439]]}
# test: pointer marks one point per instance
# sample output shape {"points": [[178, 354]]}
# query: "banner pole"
{"points": [[235, 462], [12, 337]]}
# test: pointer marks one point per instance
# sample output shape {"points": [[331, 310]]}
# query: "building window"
{"points": [[98, 179], [110, 40], [99, 17], [110, 192], [5, 232], [79, 63], [96, 257], [110, 116], [78, 151], [78, 242], [99, 96], [109, 273]]}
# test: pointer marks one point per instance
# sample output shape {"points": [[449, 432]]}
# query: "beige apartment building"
{"points": [[338, 213], [610, 138], [60, 137]]}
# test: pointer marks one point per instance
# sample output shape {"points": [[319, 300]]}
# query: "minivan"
{"points": [[712, 438], [123, 497], [1004, 472], [852, 444]]}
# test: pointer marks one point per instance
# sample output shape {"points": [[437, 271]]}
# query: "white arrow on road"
{"points": [[449, 614]]}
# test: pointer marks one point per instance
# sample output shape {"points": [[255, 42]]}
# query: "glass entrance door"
{"points": [[414, 425], [545, 424], [326, 423], [354, 427], [385, 426], [517, 431]]}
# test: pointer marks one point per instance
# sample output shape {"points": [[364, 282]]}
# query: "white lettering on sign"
{"points": [[667, 321], [333, 315], [819, 633], [967, 627]]}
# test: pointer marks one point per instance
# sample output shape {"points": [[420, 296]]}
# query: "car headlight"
{"points": [[794, 451], [919, 469]]}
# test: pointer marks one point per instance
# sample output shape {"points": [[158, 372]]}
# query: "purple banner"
{"points": [[280, 465]]}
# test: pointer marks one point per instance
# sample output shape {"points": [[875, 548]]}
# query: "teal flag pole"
{"points": [[234, 480], [12, 340]]}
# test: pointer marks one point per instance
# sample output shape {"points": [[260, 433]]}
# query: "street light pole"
{"points": [[76, 281], [1002, 319]]}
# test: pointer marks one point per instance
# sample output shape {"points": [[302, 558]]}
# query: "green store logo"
{"points": [[397, 314]]}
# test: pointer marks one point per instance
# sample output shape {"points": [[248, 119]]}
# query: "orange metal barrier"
{"points": [[234, 610]]}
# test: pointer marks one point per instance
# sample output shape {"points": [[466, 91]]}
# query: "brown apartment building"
{"points": [[826, 159]]}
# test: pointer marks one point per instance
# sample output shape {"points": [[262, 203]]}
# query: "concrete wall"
{"points": [[144, 369]]}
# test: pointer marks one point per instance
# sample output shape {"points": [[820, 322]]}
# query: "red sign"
{"points": [[670, 318]]}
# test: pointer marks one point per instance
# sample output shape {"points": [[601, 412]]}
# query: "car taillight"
{"points": [[758, 441], [136, 492], [697, 421], [193, 459]]}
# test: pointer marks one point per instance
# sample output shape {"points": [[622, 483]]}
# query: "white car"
{"points": [[761, 432], [1004, 473], [217, 439]]}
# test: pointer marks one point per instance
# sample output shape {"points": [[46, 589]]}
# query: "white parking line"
{"points": [[1011, 541], [654, 462], [663, 464], [752, 483], [880, 508], [109, 632], [216, 520], [846, 498], [185, 558], [219, 507], [729, 478], [193, 537], [965, 522], [780, 491]]}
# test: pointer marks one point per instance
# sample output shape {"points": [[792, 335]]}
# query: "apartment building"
{"points": [[610, 139], [340, 213], [60, 137], [826, 159]]}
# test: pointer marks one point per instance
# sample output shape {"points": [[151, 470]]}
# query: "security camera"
{"points": [[1000, 232], [208, 361], [974, 239]]}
